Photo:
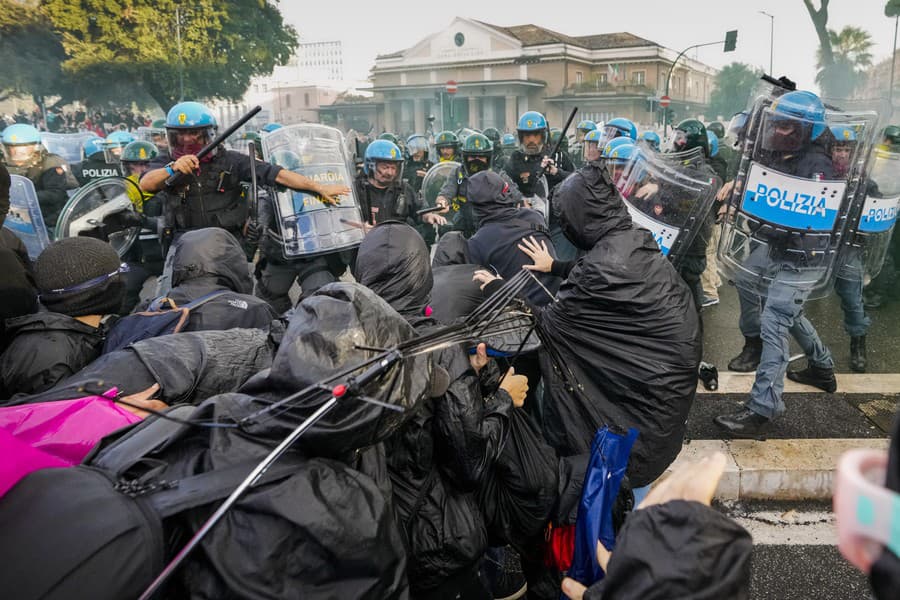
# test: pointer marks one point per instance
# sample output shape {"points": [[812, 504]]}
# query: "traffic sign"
{"points": [[451, 87], [665, 101]]}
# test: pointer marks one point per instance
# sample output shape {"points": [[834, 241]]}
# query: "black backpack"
{"points": [[87, 532], [162, 317]]}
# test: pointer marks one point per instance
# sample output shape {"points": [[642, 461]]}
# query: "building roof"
{"points": [[534, 35]]}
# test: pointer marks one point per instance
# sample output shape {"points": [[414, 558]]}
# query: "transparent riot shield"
{"points": [[104, 209], [24, 218], [790, 205], [66, 145], [873, 224], [308, 226], [672, 199], [436, 179], [154, 135]]}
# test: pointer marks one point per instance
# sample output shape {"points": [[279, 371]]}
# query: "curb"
{"points": [[800, 469], [731, 382]]}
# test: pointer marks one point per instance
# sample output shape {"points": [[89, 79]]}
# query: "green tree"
{"points": [[30, 52], [132, 44], [731, 88], [851, 57]]}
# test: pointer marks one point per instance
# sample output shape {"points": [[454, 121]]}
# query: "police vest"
{"points": [[211, 199], [378, 207]]}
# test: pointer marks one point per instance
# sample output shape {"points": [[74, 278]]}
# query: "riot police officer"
{"points": [[24, 155], [618, 127], [508, 145], [477, 156], [493, 134], [581, 130], [650, 139], [527, 164], [447, 146], [417, 161], [94, 166], [210, 193]]}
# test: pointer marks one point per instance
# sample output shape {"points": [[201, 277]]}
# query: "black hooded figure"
{"points": [[624, 336], [501, 226], [449, 446], [210, 260]]}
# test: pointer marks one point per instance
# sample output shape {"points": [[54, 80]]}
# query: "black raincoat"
{"points": [[624, 336], [679, 549], [885, 574], [450, 445], [45, 348], [189, 367], [208, 260]]}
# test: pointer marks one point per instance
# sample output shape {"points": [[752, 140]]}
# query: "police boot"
{"points": [[744, 424], [858, 353], [819, 377], [748, 359]]}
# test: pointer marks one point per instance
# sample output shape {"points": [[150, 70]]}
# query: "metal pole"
{"points": [[669, 78], [771, 39], [893, 59]]}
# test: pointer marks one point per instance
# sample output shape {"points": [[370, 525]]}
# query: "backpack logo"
{"points": [[238, 303]]}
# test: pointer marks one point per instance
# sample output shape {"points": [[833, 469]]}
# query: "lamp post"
{"points": [[771, 39]]}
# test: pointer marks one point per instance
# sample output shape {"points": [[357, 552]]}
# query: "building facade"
{"points": [[501, 72]]}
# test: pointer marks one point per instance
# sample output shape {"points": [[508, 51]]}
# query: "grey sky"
{"points": [[370, 28]]}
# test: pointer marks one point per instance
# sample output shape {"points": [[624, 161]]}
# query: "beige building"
{"points": [[503, 71]]}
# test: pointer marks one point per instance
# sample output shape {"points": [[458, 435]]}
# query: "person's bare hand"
{"points": [[421, 173], [441, 201], [538, 253], [647, 190], [480, 359], [549, 164], [516, 386], [434, 219], [138, 403], [725, 191], [484, 277], [186, 164], [329, 193], [695, 481]]}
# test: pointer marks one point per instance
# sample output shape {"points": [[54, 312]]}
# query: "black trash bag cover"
{"points": [[455, 294], [452, 249], [321, 341], [211, 252]]}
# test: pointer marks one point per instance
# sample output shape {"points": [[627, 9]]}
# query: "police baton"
{"points": [[254, 198], [175, 179], [562, 135]]}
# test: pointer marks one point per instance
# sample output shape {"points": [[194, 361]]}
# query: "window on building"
{"points": [[638, 77], [579, 77], [306, 99], [602, 78]]}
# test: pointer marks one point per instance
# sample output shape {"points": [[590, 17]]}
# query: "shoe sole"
{"points": [[520, 593], [812, 385]]}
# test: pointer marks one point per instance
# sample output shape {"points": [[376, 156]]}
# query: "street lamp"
{"points": [[771, 38]]}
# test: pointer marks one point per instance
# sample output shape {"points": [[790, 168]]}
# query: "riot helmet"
{"points": [[618, 153], [383, 163], [509, 141], [891, 138], [158, 124], [92, 146], [793, 121], [591, 149], [21, 145], [136, 157], [717, 128], [252, 136], [389, 137], [493, 134], [713, 143], [477, 153], [189, 127], [619, 127], [556, 135], [114, 144], [532, 128], [651, 139], [447, 145], [690, 134], [842, 149], [417, 144]]}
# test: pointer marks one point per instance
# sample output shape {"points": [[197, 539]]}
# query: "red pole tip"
{"points": [[339, 390]]}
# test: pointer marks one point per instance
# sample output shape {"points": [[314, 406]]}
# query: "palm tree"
{"points": [[852, 57]]}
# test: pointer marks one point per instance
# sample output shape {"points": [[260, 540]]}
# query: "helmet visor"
{"points": [[784, 133], [21, 154], [188, 141]]}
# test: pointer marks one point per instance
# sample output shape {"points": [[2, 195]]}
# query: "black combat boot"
{"points": [[748, 359], [744, 424], [815, 376], [858, 353]]}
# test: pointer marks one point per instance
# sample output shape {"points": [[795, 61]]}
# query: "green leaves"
{"points": [[892, 8], [731, 88]]}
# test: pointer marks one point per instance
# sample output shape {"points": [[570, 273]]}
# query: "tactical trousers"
{"points": [[276, 278], [773, 318], [849, 288]]}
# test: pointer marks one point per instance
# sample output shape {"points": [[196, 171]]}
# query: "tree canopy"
{"points": [[851, 57], [731, 88], [130, 46]]}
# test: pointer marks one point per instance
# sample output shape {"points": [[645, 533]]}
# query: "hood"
{"points": [[211, 253], [451, 249], [49, 321], [490, 197], [394, 262], [322, 340], [590, 206]]}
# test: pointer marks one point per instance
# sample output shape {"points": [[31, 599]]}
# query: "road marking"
{"points": [[848, 383]]}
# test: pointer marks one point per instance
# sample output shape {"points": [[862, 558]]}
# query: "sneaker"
{"points": [[709, 301], [503, 569]]}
